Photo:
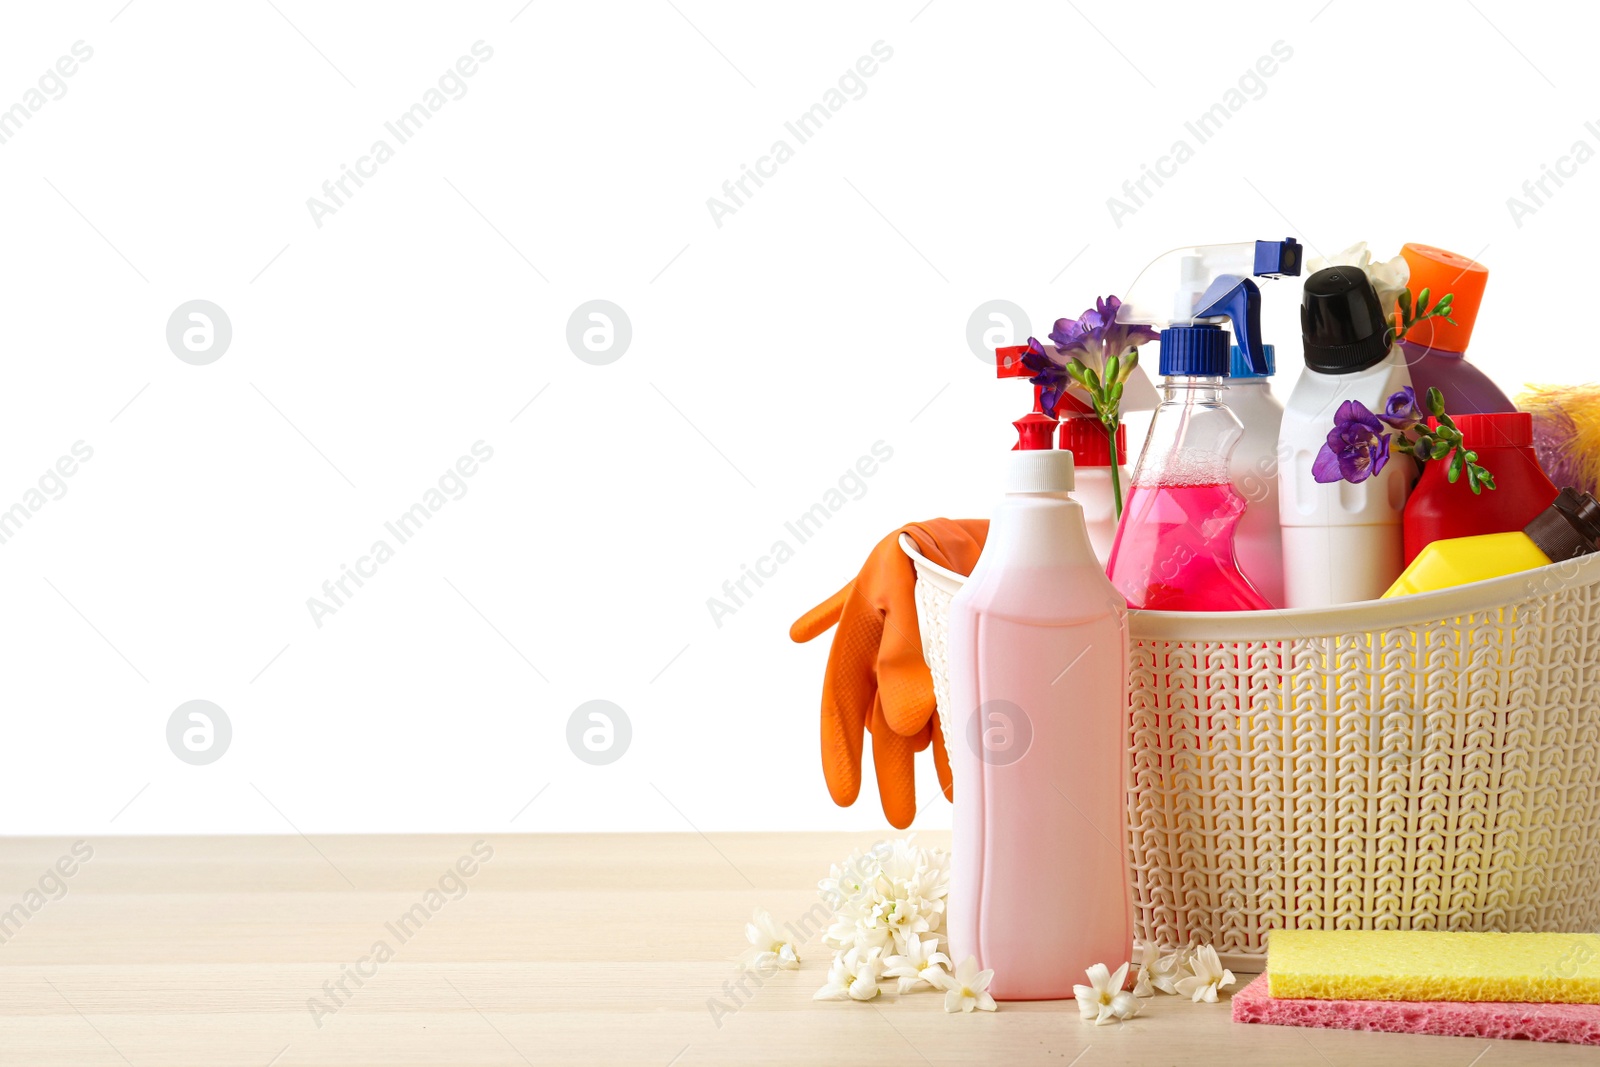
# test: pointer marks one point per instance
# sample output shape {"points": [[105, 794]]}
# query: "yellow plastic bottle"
{"points": [[1568, 528]]}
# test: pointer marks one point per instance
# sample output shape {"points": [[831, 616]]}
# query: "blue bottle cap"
{"points": [[1199, 351], [1241, 363]]}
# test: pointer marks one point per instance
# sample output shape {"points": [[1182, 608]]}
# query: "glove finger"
{"points": [[941, 761], [841, 753], [904, 684], [849, 692], [851, 686], [922, 738], [893, 760], [820, 618]]}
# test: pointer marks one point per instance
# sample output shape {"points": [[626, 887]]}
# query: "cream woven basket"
{"points": [[1431, 762]]}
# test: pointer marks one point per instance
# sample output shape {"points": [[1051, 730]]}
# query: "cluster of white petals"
{"points": [[888, 911], [1206, 976], [770, 949], [1103, 999], [1195, 972], [887, 896], [888, 925]]}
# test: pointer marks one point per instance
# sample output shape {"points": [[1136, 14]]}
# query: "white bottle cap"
{"points": [[1043, 470]]}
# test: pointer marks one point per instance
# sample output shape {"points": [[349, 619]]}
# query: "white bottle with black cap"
{"points": [[1341, 539]]}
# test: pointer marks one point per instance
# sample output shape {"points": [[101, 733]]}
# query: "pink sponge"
{"points": [[1574, 1024]]}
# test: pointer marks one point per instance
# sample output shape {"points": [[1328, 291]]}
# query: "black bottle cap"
{"points": [[1341, 322], [1567, 529]]}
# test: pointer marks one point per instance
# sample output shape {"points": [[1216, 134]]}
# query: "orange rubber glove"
{"points": [[877, 681]]}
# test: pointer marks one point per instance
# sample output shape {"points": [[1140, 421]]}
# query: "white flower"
{"points": [[854, 974], [1104, 999], [1388, 277], [918, 966], [884, 897], [1160, 971], [769, 946], [848, 890], [1208, 976], [899, 919], [967, 988]]}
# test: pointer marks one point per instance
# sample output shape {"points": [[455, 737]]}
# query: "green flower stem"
{"points": [[1105, 394], [1410, 315], [1442, 442], [1116, 477]]}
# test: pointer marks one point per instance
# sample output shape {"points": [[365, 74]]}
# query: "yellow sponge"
{"points": [[1433, 965]]}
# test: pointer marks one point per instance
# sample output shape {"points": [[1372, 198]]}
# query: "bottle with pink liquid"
{"points": [[1039, 687], [1174, 548]]}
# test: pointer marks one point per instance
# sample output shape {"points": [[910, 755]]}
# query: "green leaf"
{"points": [[1435, 399]]}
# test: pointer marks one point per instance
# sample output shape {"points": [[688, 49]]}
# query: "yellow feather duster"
{"points": [[1566, 432]]}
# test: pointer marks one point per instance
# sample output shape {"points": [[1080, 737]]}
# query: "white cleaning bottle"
{"points": [[1341, 539], [1253, 470], [1039, 698]]}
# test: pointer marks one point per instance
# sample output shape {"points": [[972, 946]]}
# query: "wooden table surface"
{"points": [[551, 949]]}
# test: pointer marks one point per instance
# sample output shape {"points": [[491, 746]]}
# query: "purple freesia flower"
{"points": [[1068, 333], [1402, 410], [1091, 338], [1102, 336], [1047, 373], [1357, 446]]}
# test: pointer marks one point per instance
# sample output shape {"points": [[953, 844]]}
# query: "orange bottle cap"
{"points": [[1443, 272]]}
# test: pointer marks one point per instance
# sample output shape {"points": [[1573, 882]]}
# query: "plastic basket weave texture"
{"points": [[1431, 762]]}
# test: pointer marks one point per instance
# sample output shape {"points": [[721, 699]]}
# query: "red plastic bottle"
{"points": [[1437, 508]]}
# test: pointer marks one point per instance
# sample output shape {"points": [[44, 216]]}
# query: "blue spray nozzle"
{"points": [[1276, 259], [1240, 300], [1186, 292]]}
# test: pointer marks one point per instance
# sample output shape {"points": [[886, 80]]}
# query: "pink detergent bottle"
{"points": [[1039, 752], [1174, 548]]}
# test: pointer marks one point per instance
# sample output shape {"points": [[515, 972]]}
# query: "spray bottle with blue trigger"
{"points": [[1174, 548]]}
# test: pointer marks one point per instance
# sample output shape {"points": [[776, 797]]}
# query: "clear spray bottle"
{"points": [[1174, 549]]}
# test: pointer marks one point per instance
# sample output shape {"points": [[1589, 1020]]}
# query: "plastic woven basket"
{"points": [[1431, 762]]}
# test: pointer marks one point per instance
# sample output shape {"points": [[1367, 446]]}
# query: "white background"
{"points": [[829, 312]]}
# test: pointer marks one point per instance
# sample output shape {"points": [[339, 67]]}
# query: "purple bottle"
{"points": [[1435, 350]]}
